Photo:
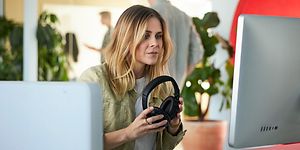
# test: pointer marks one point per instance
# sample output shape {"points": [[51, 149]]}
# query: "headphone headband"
{"points": [[155, 82]]}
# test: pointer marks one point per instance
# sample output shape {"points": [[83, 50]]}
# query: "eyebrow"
{"points": [[147, 31]]}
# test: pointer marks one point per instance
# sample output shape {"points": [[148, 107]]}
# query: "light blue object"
{"points": [[50, 116]]}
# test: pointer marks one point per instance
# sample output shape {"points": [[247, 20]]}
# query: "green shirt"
{"points": [[120, 112], [107, 37], [106, 40]]}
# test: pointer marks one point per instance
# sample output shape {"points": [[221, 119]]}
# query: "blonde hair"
{"points": [[127, 36]]}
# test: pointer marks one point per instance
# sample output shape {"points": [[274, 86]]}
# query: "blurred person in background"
{"points": [[188, 48], [105, 19]]}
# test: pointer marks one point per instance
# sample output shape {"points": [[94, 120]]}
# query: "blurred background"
{"points": [[81, 17]]}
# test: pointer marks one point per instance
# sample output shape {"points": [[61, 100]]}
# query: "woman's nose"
{"points": [[153, 42]]}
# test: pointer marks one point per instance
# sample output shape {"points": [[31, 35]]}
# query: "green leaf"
{"points": [[212, 90], [52, 62], [16, 38], [190, 103], [53, 18], [205, 70], [210, 20]]}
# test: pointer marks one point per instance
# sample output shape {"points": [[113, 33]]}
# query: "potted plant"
{"points": [[204, 82], [10, 50], [52, 61]]}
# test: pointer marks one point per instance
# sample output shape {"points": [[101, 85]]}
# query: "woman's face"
{"points": [[150, 48]]}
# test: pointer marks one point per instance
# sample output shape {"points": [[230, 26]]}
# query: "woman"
{"points": [[137, 53]]}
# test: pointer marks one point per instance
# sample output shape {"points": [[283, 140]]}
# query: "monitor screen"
{"points": [[50, 116], [266, 87]]}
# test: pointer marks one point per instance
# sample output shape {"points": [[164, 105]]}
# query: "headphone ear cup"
{"points": [[156, 111], [166, 104], [170, 107]]}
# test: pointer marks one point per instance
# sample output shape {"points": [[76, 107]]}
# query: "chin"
{"points": [[151, 63]]}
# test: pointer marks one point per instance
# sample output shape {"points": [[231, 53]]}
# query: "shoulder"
{"points": [[170, 12], [93, 74]]}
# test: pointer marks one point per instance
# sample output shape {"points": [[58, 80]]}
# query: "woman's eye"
{"points": [[146, 36], [158, 36]]}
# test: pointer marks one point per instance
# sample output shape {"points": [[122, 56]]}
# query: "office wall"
{"points": [[84, 22], [225, 11], [1, 7], [14, 8]]}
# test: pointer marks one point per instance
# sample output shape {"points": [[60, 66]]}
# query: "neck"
{"points": [[139, 71]]}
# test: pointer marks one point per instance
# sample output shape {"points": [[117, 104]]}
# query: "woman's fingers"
{"points": [[150, 124], [154, 118], [155, 127], [180, 105], [180, 100], [144, 113]]}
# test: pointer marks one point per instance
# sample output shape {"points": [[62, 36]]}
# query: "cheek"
{"points": [[143, 46], [141, 50], [160, 43]]}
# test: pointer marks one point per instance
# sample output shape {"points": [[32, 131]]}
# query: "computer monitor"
{"points": [[266, 87], [50, 116]]}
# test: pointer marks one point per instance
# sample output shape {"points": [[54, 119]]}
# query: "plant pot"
{"points": [[205, 135]]}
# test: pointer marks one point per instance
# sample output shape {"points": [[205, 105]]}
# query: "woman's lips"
{"points": [[152, 53]]}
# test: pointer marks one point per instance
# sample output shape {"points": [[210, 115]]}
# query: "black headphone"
{"points": [[169, 107]]}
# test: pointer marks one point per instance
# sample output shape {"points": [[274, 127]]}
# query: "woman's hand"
{"points": [[175, 123], [143, 125], [139, 127]]}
